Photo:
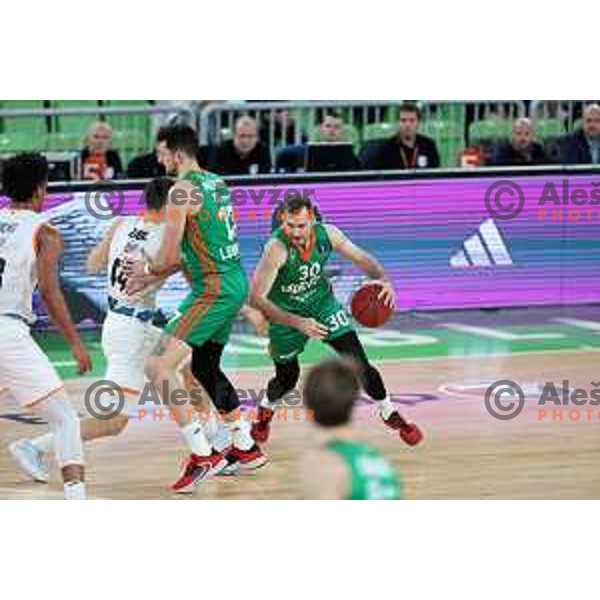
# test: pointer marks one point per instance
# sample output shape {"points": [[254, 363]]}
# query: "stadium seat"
{"points": [[376, 131], [131, 132], [492, 129], [548, 128], [22, 141], [68, 131], [23, 133], [449, 138]]}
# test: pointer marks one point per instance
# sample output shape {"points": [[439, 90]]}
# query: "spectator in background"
{"points": [[245, 154], [408, 149], [583, 146], [522, 149], [340, 156], [145, 166], [98, 161], [331, 129], [282, 131]]}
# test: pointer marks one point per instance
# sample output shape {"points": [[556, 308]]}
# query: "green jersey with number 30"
{"points": [[210, 245], [301, 285]]}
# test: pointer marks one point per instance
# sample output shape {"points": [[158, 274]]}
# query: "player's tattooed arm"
{"points": [[273, 258], [97, 259], [49, 250], [366, 262]]}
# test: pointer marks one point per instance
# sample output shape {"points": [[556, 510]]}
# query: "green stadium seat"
{"points": [[72, 128], [16, 127], [449, 137], [131, 133], [492, 129], [548, 128], [22, 141], [376, 131]]}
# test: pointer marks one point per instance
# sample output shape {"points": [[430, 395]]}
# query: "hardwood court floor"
{"points": [[467, 453]]}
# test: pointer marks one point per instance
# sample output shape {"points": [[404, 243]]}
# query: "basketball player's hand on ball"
{"points": [[81, 356], [312, 328], [387, 294]]}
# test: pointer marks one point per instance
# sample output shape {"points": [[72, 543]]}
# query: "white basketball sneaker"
{"points": [[29, 459]]}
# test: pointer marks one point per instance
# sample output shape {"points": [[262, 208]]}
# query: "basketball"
{"points": [[367, 308]]}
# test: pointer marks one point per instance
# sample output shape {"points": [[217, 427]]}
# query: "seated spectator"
{"points": [[244, 155], [408, 149], [282, 130], [98, 161], [583, 146], [521, 150], [340, 157], [145, 166]]}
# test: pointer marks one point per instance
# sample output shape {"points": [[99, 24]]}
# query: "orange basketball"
{"points": [[367, 309]]}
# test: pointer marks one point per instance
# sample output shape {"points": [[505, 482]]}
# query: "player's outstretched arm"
{"points": [[273, 258], [50, 247], [97, 259], [366, 262]]}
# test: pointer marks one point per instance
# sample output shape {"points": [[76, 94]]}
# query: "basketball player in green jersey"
{"points": [[201, 236], [292, 291], [342, 467]]}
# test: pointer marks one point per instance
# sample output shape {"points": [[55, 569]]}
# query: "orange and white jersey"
{"points": [[18, 268], [135, 238]]}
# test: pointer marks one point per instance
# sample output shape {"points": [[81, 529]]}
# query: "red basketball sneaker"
{"points": [[261, 428], [196, 468], [409, 432], [240, 461]]}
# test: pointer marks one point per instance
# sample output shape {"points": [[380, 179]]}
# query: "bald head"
{"points": [[522, 134], [245, 135], [591, 121]]}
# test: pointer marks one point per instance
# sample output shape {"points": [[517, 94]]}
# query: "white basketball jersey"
{"points": [[18, 268], [134, 238]]}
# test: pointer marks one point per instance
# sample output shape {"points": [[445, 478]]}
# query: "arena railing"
{"points": [[63, 129], [565, 114], [445, 121]]}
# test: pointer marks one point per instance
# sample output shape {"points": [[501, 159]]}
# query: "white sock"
{"points": [[386, 407], [43, 443], [194, 437], [210, 425], [75, 490], [240, 433]]}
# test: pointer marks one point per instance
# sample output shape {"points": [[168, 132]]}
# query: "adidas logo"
{"points": [[484, 249]]}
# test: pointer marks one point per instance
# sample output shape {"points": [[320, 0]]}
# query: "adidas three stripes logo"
{"points": [[483, 249]]}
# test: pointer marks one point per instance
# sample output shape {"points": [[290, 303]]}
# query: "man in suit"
{"points": [[583, 146], [408, 149]]}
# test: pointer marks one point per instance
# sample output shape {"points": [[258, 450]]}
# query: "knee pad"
{"points": [[285, 380], [63, 420]]}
